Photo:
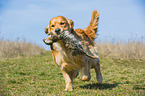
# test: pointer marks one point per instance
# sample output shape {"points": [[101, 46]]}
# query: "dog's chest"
{"points": [[58, 46], [65, 56], [59, 57]]}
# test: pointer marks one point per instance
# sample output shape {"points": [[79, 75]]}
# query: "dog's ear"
{"points": [[71, 24], [47, 30]]}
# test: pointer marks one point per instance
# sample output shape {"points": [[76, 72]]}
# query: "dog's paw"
{"points": [[68, 89], [99, 79], [85, 78]]}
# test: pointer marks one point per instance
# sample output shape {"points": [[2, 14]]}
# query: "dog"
{"points": [[69, 63]]}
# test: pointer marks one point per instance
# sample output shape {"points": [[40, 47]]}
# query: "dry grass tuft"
{"points": [[131, 50], [19, 49]]}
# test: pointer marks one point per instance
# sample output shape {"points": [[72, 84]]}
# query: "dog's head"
{"points": [[59, 24]]}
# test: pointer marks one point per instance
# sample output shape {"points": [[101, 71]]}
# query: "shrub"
{"points": [[130, 50]]}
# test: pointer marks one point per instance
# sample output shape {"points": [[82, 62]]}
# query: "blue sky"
{"points": [[26, 19]]}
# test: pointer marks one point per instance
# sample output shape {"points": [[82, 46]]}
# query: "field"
{"points": [[38, 75], [9, 49]]}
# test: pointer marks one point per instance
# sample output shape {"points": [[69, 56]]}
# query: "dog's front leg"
{"points": [[68, 80]]}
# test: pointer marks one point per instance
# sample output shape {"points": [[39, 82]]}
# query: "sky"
{"points": [[26, 19]]}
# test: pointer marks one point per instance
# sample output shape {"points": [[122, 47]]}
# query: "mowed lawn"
{"points": [[38, 75]]}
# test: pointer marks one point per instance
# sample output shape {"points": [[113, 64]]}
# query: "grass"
{"points": [[9, 49], [38, 75]]}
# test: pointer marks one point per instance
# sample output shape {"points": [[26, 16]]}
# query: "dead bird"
{"points": [[70, 42]]}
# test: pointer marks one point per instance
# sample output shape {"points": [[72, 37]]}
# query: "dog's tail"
{"points": [[91, 30]]}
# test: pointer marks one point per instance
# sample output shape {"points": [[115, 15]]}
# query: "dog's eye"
{"points": [[52, 25], [61, 23]]}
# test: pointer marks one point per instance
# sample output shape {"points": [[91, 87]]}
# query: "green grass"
{"points": [[38, 75]]}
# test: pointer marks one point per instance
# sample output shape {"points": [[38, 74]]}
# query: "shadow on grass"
{"points": [[99, 86]]}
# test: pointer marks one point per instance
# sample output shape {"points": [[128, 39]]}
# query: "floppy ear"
{"points": [[71, 24], [47, 30]]}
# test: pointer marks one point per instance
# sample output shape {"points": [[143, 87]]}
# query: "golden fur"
{"points": [[71, 65]]}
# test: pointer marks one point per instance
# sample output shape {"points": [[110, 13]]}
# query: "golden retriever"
{"points": [[69, 64]]}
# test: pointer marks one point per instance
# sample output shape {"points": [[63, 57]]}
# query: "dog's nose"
{"points": [[57, 30]]}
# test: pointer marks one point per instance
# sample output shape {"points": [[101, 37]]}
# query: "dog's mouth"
{"points": [[51, 39]]}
